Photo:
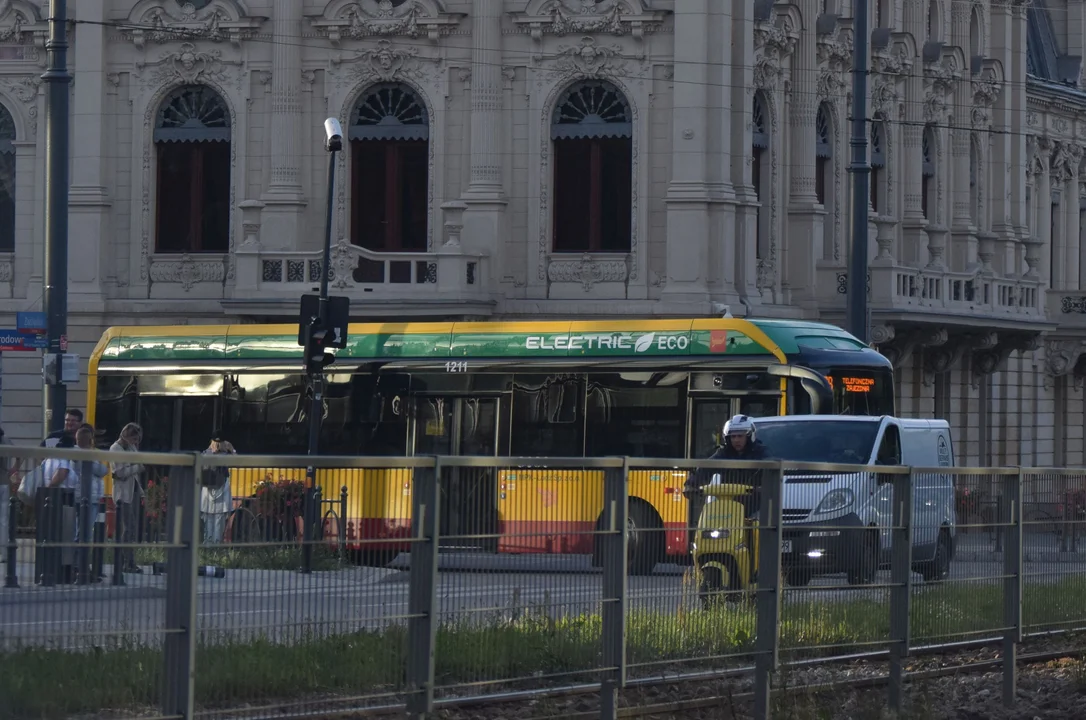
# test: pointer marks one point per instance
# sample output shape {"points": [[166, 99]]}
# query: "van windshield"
{"points": [[839, 442]]}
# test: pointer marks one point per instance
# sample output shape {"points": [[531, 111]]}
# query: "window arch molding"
{"points": [[193, 145], [146, 225], [432, 134], [541, 221], [8, 179]]}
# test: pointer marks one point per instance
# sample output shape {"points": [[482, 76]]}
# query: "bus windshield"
{"points": [[840, 442]]}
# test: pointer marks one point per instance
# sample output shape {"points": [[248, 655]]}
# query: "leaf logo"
{"points": [[644, 342]]}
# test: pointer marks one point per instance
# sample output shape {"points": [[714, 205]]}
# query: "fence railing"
{"points": [[428, 580]]}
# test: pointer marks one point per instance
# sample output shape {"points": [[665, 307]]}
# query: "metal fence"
{"points": [[414, 583]]}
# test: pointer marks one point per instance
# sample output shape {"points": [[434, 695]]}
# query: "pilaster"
{"points": [[284, 198], [484, 199], [688, 200], [88, 196], [914, 238], [738, 22]]}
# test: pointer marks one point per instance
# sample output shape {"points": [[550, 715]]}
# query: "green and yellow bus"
{"points": [[642, 388]]}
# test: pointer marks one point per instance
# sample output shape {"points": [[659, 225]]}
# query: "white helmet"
{"points": [[740, 425]]}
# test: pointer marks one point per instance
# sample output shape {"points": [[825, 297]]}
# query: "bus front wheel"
{"points": [[644, 543]]}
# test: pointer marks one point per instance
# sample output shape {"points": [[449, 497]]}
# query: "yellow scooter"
{"points": [[726, 545]]}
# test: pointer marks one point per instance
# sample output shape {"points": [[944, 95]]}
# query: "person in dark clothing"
{"points": [[739, 443], [73, 419]]}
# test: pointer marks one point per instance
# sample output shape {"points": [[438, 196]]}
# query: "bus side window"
{"points": [[890, 449]]}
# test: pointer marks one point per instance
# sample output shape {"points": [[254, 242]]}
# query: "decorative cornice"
{"points": [[588, 17], [358, 19], [152, 21]]}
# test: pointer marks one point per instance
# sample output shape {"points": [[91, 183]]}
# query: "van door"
{"points": [[887, 455], [919, 451]]}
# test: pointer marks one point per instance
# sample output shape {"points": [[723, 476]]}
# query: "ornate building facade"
{"points": [[558, 158]]}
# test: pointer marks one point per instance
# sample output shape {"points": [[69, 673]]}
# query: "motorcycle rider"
{"points": [[738, 442]]}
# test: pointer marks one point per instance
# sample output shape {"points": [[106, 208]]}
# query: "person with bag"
{"points": [[127, 492], [216, 500]]}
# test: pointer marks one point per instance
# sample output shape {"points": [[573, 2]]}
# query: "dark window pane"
{"points": [[116, 405], [414, 191], [820, 180], [635, 417], [215, 182], [548, 417], [199, 419], [7, 202], [572, 195], [175, 182], [157, 420], [368, 194], [614, 194]]}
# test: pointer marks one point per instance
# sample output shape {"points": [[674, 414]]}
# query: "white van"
{"points": [[860, 500]]}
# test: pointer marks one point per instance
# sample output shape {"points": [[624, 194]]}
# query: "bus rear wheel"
{"points": [[644, 539]]}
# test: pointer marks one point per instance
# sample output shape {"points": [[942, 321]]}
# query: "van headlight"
{"points": [[835, 500]]}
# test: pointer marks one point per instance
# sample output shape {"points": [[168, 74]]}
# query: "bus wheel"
{"points": [[645, 535]]}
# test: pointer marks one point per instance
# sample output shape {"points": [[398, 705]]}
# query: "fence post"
{"points": [[1012, 583], [50, 520], [99, 562], [615, 543], [422, 589], [183, 523], [341, 526], [11, 579], [119, 510], [768, 599], [83, 522], [901, 577]]}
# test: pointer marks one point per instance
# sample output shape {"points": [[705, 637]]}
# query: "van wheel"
{"points": [[938, 569], [866, 566]]}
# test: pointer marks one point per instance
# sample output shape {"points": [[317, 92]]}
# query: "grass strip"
{"points": [[37, 682]]}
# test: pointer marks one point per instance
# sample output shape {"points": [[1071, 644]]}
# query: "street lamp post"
{"points": [[333, 144]]}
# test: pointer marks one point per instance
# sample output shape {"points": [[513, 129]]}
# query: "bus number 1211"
{"points": [[456, 366]]}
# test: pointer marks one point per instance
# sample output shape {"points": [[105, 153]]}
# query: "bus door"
{"points": [[178, 413], [708, 415], [467, 426]]}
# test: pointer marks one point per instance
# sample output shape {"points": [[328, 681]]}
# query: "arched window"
{"points": [[878, 164], [934, 20], [390, 170], [592, 131], [927, 173], [760, 173], [7, 181], [823, 154], [192, 139], [974, 32]]}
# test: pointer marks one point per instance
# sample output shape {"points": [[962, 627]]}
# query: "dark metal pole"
{"points": [[856, 314], [316, 382], [56, 202]]}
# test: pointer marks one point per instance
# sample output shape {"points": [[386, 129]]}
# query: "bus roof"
{"points": [[436, 341]]}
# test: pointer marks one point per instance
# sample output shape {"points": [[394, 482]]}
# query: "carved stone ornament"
{"points": [[154, 21], [835, 60], [384, 63], [357, 19], [1061, 356], [588, 59], [20, 22], [25, 89], [773, 44], [7, 268], [189, 66], [577, 17], [939, 80], [1062, 166], [587, 271], [186, 271]]}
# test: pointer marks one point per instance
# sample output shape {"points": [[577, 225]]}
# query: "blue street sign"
{"points": [[15, 341], [31, 322]]}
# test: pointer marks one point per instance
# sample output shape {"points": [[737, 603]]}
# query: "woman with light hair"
{"points": [[127, 492]]}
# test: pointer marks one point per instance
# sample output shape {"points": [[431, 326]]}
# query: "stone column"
{"points": [[963, 231], [806, 225], [914, 240], [89, 200], [1016, 91], [1042, 222], [687, 200], [484, 217], [1002, 173], [739, 225], [284, 201], [1071, 224]]}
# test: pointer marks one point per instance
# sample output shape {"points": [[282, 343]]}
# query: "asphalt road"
{"points": [[286, 606]]}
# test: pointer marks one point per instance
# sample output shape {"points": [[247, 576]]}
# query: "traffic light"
{"points": [[319, 339]]}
